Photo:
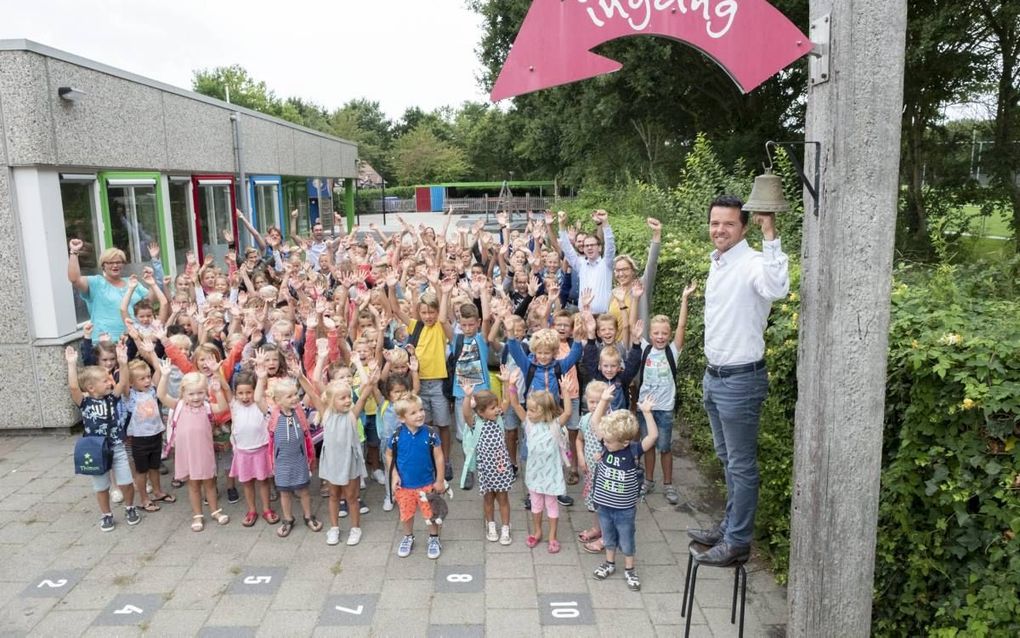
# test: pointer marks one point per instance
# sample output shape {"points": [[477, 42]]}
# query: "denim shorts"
{"points": [[511, 421], [575, 415], [121, 470], [664, 423], [437, 406], [618, 528], [371, 430]]}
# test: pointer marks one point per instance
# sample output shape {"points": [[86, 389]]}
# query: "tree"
{"points": [[944, 65], [245, 90], [1002, 18], [419, 157]]}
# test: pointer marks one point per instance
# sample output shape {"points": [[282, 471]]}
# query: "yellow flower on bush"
{"points": [[968, 404], [794, 318], [951, 339], [793, 296], [914, 344]]}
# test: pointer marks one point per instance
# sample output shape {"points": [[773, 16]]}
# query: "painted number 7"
{"points": [[257, 580], [565, 610]]}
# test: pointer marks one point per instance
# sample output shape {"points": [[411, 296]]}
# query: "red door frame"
{"points": [[195, 188]]}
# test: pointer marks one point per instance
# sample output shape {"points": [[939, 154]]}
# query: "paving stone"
{"points": [[457, 609], [295, 594], [287, 623], [411, 594], [397, 622], [244, 611], [512, 623], [559, 578], [510, 593], [64, 623]]}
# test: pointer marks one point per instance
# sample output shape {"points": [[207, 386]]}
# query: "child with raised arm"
{"points": [[658, 383], [543, 421], [343, 463], [250, 464], [146, 431], [190, 433], [482, 412], [98, 398], [617, 485], [415, 458]]}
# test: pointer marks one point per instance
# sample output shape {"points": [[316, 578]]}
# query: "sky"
{"points": [[400, 53]]}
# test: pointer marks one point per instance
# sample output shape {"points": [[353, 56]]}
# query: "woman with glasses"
{"points": [[625, 273], [103, 293]]}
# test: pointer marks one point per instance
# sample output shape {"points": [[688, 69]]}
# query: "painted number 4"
{"points": [[459, 578], [258, 580], [53, 584], [565, 610]]}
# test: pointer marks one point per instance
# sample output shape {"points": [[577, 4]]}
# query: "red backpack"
{"points": [[271, 421]]}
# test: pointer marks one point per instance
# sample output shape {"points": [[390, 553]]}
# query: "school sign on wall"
{"points": [[750, 39]]}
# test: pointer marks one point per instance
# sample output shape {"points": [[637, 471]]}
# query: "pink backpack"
{"points": [[271, 421]]}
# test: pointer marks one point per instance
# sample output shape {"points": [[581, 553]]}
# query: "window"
{"points": [[215, 217], [182, 221], [134, 221], [81, 222]]}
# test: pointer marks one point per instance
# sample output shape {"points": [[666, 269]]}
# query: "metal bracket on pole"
{"points": [[819, 70], [813, 188]]}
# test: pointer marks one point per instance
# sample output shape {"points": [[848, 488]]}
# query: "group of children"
{"points": [[363, 359]]}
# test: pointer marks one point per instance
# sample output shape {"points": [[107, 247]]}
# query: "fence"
{"points": [[485, 205]]}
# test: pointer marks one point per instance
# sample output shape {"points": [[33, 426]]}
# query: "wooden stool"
{"points": [[739, 581]]}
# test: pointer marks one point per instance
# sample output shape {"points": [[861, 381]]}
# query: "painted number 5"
{"points": [[459, 578], [565, 610], [257, 580]]}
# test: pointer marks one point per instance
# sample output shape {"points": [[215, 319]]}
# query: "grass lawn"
{"points": [[996, 225]]}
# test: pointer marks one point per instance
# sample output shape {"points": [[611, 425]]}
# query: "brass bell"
{"points": [[767, 195]]}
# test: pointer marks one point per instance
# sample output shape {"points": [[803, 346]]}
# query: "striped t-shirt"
{"points": [[617, 484]]}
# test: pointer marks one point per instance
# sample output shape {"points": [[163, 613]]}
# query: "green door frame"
{"points": [[104, 200]]}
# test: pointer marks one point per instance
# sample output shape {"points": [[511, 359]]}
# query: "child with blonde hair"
{"points": [[617, 485], [587, 448], [343, 463], [547, 455], [191, 428], [483, 412], [292, 454]]}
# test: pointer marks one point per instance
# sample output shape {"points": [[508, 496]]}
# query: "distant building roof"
{"points": [[368, 177]]}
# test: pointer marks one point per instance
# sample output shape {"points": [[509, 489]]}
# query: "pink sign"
{"points": [[750, 39]]}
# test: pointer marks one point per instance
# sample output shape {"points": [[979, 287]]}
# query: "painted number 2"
{"points": [[565, 610], [258, 580], [459, 578], [53, 584]]}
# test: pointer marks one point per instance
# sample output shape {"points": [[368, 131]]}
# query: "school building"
{"points": [[116, 159]]}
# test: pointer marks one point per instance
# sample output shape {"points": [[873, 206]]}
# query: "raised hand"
{"points": [[647, 405], [608, 393], [600, 216], [86, 330], [689, 290], [71, 354], [637, 289], [587, 297], [122, 355], [467, 387], [153, 250], [165, 366], [75, 245]]}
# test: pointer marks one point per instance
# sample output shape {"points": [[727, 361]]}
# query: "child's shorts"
{"points": [[371, 431], [146, 452], [575, 415], [121, 470], [664, 423], [618, 529], [437, 407], [410, 499]]}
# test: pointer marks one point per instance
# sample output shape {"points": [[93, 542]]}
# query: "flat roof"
{"points": [[524, 184], [50, 52]]}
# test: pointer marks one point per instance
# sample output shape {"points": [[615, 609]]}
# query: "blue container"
{"points": [[438, 198]]}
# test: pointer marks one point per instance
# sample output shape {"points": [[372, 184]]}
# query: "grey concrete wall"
{"points": [[123, 123]]}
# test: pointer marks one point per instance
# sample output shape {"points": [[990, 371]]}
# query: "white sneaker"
{"points": [[504, 536], [116, 495], [490, 534], [379, 477], [333, 536], [354, 536], [387, 504]]}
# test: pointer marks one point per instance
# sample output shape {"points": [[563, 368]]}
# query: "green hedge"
{"points": [[948, 558]]}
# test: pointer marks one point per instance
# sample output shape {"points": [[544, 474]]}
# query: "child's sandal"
{"points": [[197, 523], [250, 518], [220, 517], [270, 517], [554, 547], [589, 535], [284, 530], [176, 483], [572, 478], [313, 524], [150, 507], [532, 540]]}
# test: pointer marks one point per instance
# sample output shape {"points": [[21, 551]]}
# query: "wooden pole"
{"points": [[845, 288]]}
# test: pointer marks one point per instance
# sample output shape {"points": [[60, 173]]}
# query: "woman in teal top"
{"points": [[103, 293]]}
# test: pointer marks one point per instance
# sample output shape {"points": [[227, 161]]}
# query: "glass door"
{"points": [[214, 208], [133, 212], [182, 220], [267, 202], [295, 196], [78, 197]]}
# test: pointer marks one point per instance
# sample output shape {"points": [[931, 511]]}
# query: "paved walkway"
{"points": [[64, 577]]}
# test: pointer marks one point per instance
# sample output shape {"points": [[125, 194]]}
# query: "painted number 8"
{"points": [[459, 578], [565, 610]]}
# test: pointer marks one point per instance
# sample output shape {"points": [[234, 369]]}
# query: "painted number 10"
{"points": [[565, 610]]}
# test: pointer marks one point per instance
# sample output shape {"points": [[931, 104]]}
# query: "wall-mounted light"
{"points": [[70, 94]]}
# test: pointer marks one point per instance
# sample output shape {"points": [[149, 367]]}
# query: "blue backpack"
{"points": [[93, 455]]}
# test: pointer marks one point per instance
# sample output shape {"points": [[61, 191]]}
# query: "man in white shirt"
{"points": [[595, 268], [742, 284]]}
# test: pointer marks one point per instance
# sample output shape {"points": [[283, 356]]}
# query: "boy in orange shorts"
{"points": [[415, 458]]}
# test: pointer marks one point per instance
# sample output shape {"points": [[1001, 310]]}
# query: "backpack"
{"points": [[416, 333], [451, 365], [271, 420], [530, 376], [93, 455], [395, 438], [644, 357]]}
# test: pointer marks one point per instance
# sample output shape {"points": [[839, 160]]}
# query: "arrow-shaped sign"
{"points": [[750, 39]]}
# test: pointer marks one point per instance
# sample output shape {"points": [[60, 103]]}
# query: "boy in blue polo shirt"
{"points": [[413, 455]]}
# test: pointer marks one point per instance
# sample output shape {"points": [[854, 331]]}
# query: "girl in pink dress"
{"points": [[191, 433]]}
